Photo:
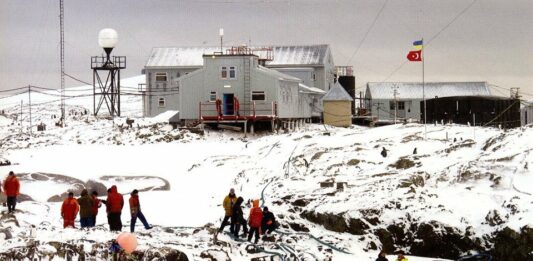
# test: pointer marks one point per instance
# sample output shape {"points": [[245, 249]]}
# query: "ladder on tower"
{"points": [[247, 97]]}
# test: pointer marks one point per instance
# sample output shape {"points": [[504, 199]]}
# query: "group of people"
{"points": [[382, 257], [87, 206], [260, 221]]}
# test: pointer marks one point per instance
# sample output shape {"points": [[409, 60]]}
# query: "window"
{"points": [[232, 72], [401, 105], [258, 96], [314, 77], [391, 104], [224, 72], [161, 102], [212, 96], [160, 77]]}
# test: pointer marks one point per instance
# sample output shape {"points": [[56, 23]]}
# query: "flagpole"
{"points": [[424, 91]]}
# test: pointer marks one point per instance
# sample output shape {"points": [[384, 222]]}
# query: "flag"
{"points": [[414, 56], [418, 45]]}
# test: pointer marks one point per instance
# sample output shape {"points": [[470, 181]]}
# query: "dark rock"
{"points": [[386, 239], [357, 227], [298, 227], [432, 238], [403, 163], [301, 202], [93, 185], [353, 162], [333, 222], [511, 245], [493, 218]]}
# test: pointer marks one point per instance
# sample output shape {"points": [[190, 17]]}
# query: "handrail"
{"points": [[210, 109]]}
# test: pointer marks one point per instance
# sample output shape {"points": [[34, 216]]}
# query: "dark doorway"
{"points": [[227, 104]]}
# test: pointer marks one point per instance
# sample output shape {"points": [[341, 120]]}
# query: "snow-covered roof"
{"points": [[277, 74], [412, 90], [337, 93], [192, 56], [312, 90]]}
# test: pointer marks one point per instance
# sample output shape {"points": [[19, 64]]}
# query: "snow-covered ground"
{"points": [[474, 180]]}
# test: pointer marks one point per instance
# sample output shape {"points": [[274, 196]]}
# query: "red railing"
{"points": [[244, 111]]}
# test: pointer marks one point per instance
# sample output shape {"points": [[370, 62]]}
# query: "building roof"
{"points": [[337, 93], [193, 56], [311, 90], [278, 75], [411, 90]]}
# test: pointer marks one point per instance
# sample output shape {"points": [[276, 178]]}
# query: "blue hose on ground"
{"points": [[316, 239]]}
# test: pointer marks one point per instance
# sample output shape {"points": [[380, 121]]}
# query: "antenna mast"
{"points": [[62, 42]]}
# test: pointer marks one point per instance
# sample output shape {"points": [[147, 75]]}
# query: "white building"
{"points": [[401, 100]]}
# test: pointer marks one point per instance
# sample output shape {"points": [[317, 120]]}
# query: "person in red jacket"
{"points": [[115, 202], [69, 211], [96, 204], [11, 189], [135, 209], [237, 105], [256, 216]]}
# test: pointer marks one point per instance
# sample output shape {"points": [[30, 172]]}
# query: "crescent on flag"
{"points": [[414, 56]]}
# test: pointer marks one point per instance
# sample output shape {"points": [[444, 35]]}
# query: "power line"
{"points": [[368, 31], [433, 38], [76, 79], [14, 89]]}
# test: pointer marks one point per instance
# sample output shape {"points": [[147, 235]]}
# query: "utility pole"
{"points": [[395, 103], [221, 34], [62, 58], [21, 116], [29, 102]]}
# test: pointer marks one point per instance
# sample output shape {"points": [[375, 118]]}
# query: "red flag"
{"points": [[415, 56]]}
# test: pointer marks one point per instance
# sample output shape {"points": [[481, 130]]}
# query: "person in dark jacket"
{"points": [[135, 209], [94, 210], [268, 224], [237, 218], [86, 203], [115, 203], [382, 256]]}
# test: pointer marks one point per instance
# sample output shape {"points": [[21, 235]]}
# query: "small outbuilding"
{"points": [[337, 107]]}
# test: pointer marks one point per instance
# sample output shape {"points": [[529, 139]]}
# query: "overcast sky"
{"points": [[490, 41]]}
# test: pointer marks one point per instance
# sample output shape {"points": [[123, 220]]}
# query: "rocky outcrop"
{"points": [[432, 238], [98, 251], [336, 222], [513, 245]]}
